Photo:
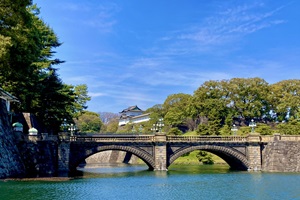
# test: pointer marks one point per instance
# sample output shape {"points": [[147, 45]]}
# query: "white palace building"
{"points": [[133, 115]]}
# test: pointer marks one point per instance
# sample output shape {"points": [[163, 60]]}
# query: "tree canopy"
{"points": [[218, 105], [28, 66]]}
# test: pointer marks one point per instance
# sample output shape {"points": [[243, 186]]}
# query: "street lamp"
{"points": [[252, 124], [234, 129], [72, 128], [158, 126]]}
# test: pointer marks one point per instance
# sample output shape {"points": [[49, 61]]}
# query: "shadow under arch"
{"points": [[232, 157], [143, 155]]}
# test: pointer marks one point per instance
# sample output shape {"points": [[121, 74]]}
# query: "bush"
{"points": [[208, 129], [225, 130], [174, 131], [244, 130], [205, 158], [289, 128], [263, 129]]}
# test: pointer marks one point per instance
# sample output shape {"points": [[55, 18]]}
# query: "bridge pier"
{"points": [[254, 152], [63, 158], [160, 152]]}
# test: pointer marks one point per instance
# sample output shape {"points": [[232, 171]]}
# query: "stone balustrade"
{"points": [[206, 138], [170, 138], [151, 138], [116, 138]]}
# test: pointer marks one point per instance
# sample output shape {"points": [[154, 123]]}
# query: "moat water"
{"points": [[130, 182]]}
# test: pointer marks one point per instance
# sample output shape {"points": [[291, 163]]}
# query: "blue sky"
{"points": [[138, 52]]}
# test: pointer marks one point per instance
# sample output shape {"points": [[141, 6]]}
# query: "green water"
{"points": [[180, 182]]}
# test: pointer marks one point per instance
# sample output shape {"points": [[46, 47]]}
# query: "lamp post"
{"points": [[72, 128], [234, 129], [252, 124], [158, 126]]}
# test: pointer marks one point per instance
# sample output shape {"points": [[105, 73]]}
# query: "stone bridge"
{"points": [[160, 151]]}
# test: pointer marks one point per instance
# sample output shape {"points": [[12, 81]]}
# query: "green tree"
{"points": [[27, 66], [263, 129], [205, 158], [249, 97], [175, 109], [156, 112], [285, 96], [81, 98], [209, 106], [13, 13], [174, 131], [112, 126], [89, 122], [292, 127]]}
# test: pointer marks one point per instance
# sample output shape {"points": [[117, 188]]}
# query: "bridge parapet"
{"points": [[295, 138], [207, 139], [276, 137], [104, 138]]}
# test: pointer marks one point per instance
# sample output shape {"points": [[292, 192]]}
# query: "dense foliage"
{"points": [[218, 105], [27, 66], [89, 122]]}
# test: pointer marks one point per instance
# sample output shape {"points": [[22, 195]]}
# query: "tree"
{"points": [[81, 98], [175, 109], [13, 13], [249, 98], [205, 158], [112, 126], [156, 113], [89, 122], [174, 131], [209, 106], [285, 96], [27, 66], [54, 101]]}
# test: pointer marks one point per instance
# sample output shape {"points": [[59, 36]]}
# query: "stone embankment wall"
{"points": [[11, 164], [281, 156], [112, 157], [40, 158]]}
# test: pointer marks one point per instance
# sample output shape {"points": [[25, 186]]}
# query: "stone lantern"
{"points": [[18, 131], [33, 131], [33, 134], [18, 127]]}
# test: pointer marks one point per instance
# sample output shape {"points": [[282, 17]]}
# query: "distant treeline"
{"points": [[216, 106]]}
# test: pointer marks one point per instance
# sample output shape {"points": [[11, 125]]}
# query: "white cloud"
{"points": [[96, 94], [221, 28], [95, 15]]}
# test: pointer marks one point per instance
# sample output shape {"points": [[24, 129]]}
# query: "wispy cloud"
{"points": [[225, 26], [99, 16], [96, 94]]}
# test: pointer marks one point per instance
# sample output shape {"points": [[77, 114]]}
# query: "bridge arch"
{"points": [[140, 153], [234, 158]]}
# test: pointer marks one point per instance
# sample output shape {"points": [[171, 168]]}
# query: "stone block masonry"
{"points": [[281, 156], [40, 158], [11, 164]]}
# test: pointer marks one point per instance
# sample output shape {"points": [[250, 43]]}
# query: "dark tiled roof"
{"points": [[131, 108]]}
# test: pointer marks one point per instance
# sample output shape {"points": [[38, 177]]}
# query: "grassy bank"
{"points": [[192, 159]]}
